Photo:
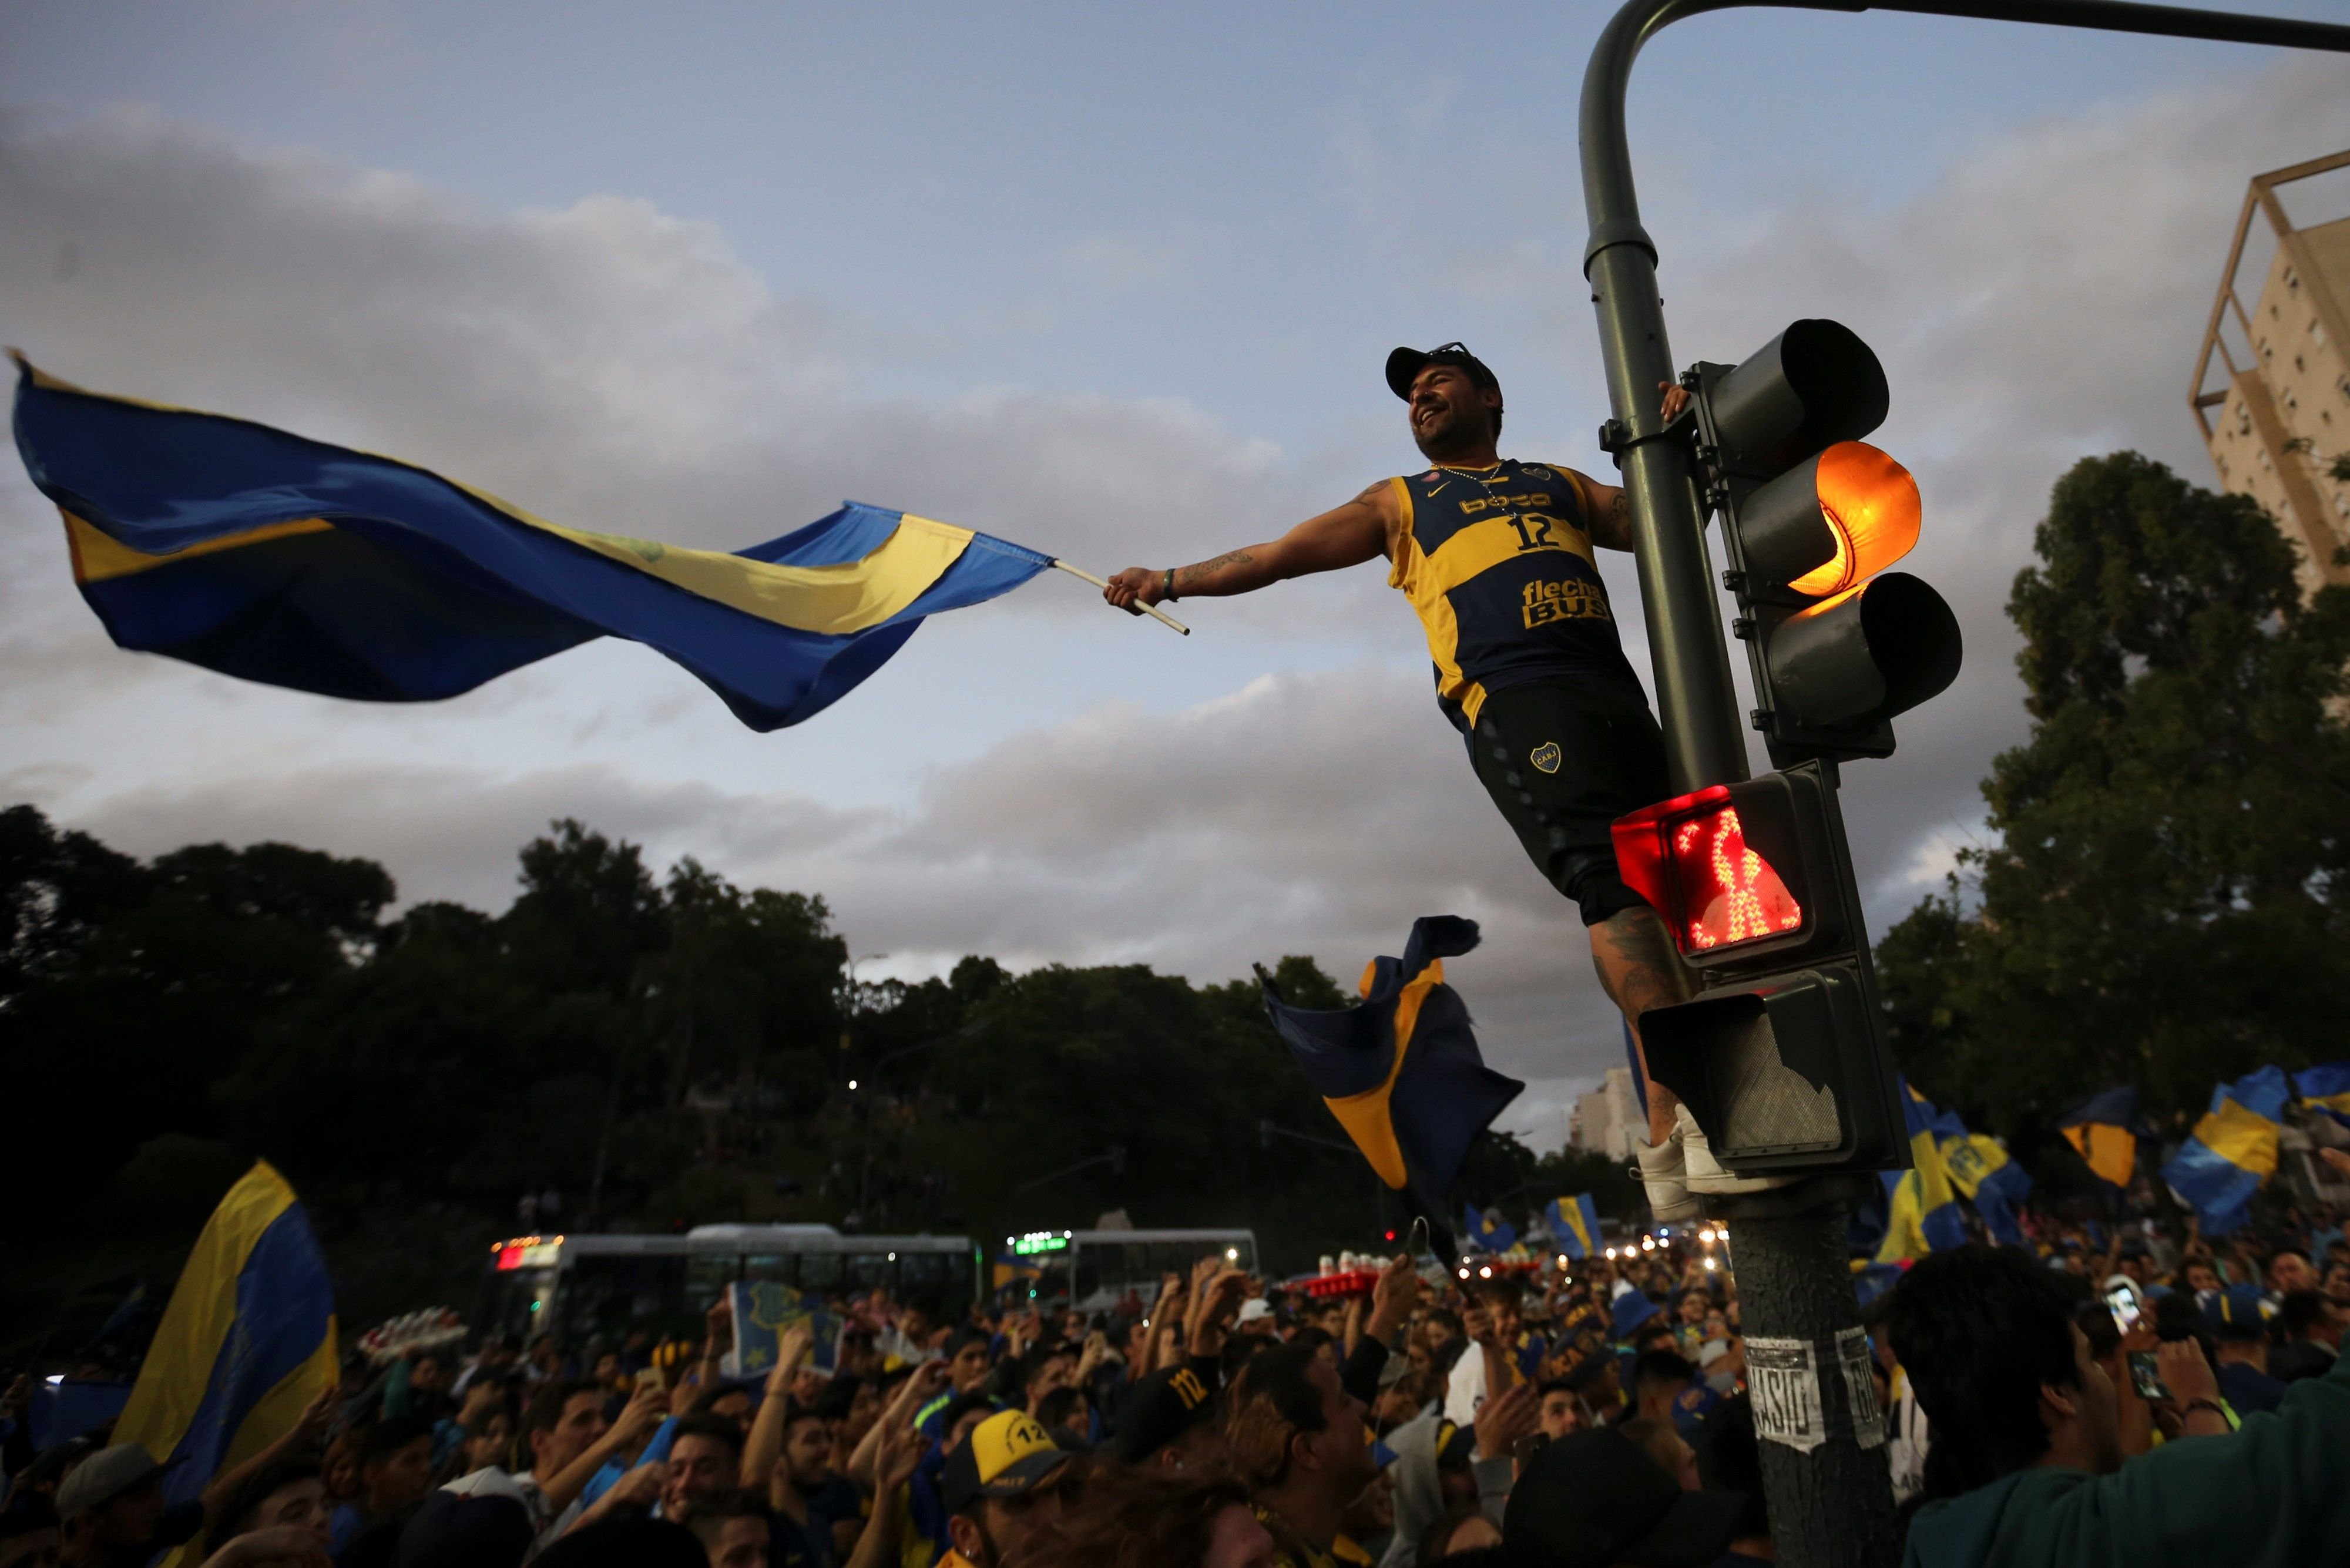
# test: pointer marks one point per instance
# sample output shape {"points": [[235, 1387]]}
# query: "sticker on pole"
{"points": [[1784, 1376], [1860, 1387]]}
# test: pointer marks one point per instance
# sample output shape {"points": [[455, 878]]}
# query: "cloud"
{"points": [[606, 364], [619, 367]]}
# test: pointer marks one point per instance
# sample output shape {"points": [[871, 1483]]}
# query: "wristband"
{"points": [[1166, 586], [2211, 1404]]}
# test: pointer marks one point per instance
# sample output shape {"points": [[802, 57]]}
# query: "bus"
{"points": [[1091, 1270], [582, 1285]]}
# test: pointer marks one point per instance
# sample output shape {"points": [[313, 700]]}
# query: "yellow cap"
{"points": [[1005, 1455]]}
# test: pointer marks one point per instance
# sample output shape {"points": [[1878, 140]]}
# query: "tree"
{"points": [[2162, 902]]}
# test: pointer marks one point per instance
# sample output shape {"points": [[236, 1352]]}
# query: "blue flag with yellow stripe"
{"points": [[1487, 1229], [265, 555], [1922, 1202], [2326, 1087], [2232, 1151], [1575, 1225], [1400, 1069], [247, 1341]]}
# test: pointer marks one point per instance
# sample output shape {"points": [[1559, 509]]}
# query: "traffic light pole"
{"points": [[1829, 1498]]}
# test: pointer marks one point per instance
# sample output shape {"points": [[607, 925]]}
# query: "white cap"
{"points": [[1255, 1308], [489, 1481]]}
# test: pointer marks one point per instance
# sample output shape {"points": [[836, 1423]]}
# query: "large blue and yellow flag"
{"points": [[265, 555], [1922, 1203], [2326, 1087], [247, 1341], [2102, 1129], [2232, 1151], [1575, 1225], [1400, 1069]]}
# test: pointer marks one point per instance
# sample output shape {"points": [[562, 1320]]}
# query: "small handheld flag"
{"points": [[269, 557], [1400, 1069]]}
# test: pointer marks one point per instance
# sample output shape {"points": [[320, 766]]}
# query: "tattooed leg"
{"points": [[1634, 955]]}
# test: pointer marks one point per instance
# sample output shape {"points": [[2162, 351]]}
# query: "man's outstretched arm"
{"points": [[1344, 536]]}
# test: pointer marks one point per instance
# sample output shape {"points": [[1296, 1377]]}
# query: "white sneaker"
{"points": [[1667, 1181], [1706, 1176]]}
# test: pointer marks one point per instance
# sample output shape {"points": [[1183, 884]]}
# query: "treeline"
{"points": [[661, 1052], [2160, 898]]}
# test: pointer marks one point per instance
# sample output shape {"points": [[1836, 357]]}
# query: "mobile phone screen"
{"points": [[2123, 1303], [2146, 1378]]}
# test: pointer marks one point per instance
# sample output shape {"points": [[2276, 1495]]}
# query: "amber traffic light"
{"points": [[1812, 516]]}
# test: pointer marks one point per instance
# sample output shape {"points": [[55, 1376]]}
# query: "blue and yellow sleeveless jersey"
{"points": [[1498, 564]]}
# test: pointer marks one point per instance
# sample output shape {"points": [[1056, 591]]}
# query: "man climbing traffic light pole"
{"points": [[1495, 555]]}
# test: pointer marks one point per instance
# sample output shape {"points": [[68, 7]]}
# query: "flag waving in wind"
{"points": [[1487, 1229], [1400, 1069], [2326, 1087], [263, 555], [1575, 1225], [247, 1341], [2232, 1151], [2102, 1129], [1923, 1211]]}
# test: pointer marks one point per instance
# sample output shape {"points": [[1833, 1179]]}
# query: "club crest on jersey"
{"points": [[1546, 756]]}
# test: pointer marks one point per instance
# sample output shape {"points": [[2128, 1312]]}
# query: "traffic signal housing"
{"points": [[1812, 515], [1782, 1055]]}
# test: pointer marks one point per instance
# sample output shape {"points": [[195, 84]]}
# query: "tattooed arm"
{"points": [[1611, 517], [1344, 536]]}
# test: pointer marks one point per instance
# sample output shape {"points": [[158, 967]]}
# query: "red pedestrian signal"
{"points": [[1691, 859], [1781, 1057]]}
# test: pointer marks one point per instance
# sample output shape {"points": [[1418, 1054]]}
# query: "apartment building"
{"points": [[2275, 407]]}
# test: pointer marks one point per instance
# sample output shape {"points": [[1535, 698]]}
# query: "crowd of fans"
{"points": [[1588, 1414]]}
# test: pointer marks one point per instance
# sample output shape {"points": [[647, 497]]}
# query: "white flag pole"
{"points": [[1153, 611]]}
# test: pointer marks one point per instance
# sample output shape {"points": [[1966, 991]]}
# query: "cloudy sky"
{"points": [[1114, 283]]}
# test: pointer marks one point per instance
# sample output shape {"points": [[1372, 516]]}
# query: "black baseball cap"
{"points": [[1405, 365], [1161, 1408], [1592, 1499]]}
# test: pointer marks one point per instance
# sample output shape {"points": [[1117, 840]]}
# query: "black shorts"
{"points": [[1563, 759]]}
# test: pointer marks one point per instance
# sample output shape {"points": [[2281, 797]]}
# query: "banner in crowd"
{"points": [[247, 1342], [764, 1311], [1400, 1069], [2232, 1151], [272, 558]]}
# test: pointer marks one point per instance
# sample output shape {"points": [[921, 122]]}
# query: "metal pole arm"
{"points": [[1267, 1131], [1111, 1158]]}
